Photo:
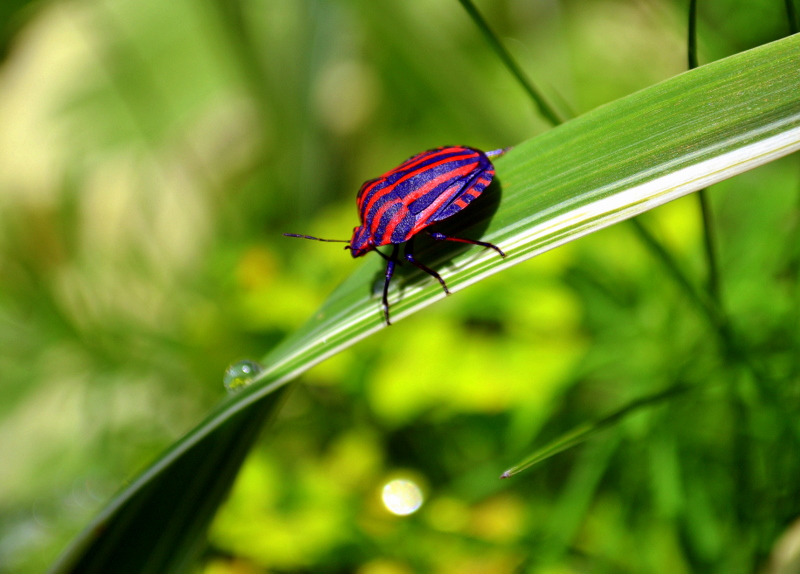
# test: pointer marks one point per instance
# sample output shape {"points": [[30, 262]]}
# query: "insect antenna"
{"points": [[317, 238]]}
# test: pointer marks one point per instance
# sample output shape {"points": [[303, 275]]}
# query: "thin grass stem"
{"points": [[545, 109], [714, 290], [728, 339], [711, 313], [582, 432], [692, 40], [702, 195], [791, 15]]}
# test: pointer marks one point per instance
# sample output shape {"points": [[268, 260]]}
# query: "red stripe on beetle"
{"points": [[453, 173], [383, 237], [390, 188], [418, 159], [423, 220], [377, 216], [401, 214]]}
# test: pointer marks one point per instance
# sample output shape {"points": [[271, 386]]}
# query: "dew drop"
{"points": [[402, 497], [240, 374]]}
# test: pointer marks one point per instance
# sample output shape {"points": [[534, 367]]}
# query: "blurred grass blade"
{"points": [[13, 14], [577, 496], [159, 522], [702, 195], [586, 430], [547, 111], [691, 50], [791, 16], [606, 166]]}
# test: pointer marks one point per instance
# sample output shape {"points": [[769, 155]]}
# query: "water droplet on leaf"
{"points": [[240, 374]]}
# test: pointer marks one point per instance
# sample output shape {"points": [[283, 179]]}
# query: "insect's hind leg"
{"points": [[389, 272], [443, 237], [409, 255]]}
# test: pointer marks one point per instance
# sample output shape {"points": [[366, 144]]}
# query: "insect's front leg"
{"points": [[389, 272], [382, 254]]}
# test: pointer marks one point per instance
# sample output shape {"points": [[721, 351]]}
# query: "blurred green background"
{"points": [[151, 155]]}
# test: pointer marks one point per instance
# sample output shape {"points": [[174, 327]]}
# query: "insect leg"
{"points": [[389, 273], [382, 254], [410, 258], [442, 237]]}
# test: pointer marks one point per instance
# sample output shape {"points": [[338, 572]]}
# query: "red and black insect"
{"points": [[421, 191]]}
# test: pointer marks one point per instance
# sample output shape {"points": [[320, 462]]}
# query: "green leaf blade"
{"points": [[611, 164], [158, 523], [645, 150]]}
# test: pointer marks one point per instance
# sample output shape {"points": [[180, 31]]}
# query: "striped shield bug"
{"points": [[423, 190]]}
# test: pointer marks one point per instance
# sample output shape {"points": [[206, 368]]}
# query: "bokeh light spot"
{"points": [[402, 497]]}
